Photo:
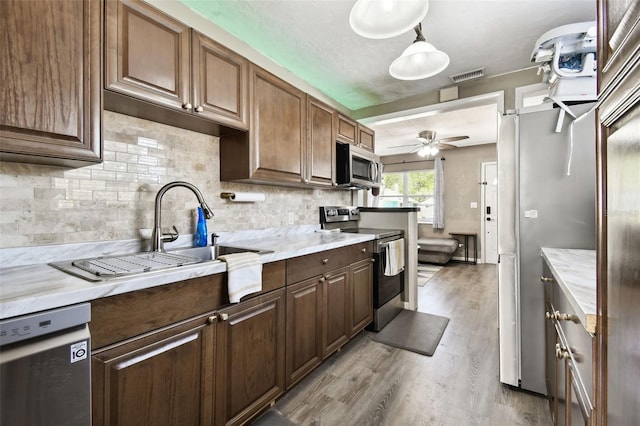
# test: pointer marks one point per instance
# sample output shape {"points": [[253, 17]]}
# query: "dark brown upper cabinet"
{"points": [[354, 133], [155, 59], [366, 137], [274, 149], [51, 82], [321, 143]]}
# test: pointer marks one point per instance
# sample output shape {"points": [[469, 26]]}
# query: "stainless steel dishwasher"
{"points": [[45, 375]]}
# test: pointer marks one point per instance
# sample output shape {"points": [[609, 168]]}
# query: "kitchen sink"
{"points": [[205, 254], [109, 267]]}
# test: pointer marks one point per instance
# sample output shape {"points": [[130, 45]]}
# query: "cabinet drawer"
{"points": [[119, 317], [578, 339], [303, 267], [362, 251]]}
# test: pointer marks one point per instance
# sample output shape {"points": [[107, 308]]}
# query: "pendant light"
{"points": [[386, 18], [420, 60]]}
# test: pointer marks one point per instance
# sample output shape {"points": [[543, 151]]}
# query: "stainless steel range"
{"points": [[388, 284]]}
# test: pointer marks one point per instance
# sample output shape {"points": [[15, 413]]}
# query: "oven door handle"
{"points": [[383, 257]]}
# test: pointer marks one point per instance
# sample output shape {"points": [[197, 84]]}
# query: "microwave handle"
{"points": [[374, 174]]}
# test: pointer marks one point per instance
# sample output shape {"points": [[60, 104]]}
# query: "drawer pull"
{"points": [[187, 106], [364, 250], [212, 319], [325, 261], [224, 317], [546, 279], [566, 317], [562, 352]]}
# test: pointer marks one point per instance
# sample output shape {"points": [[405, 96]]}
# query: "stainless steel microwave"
{"points": [[357, 167]]}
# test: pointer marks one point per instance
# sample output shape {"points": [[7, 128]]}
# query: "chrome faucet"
{"points": [[157, 237]]}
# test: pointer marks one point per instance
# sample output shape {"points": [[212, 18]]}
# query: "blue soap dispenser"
{"points": [[200, 239]]}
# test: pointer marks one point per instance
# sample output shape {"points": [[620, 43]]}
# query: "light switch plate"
{"points": [[474, 205]]}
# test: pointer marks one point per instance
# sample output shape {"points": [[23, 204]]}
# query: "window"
{"points": [[409, 189]]}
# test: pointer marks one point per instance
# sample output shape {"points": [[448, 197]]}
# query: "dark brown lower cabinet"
{"points": [[336, 310], [160, 378], [304, 328], [569, 364], [361, 297], [250, 356]]}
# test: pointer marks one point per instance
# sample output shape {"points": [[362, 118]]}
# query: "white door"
{"points": [[489, 215]]}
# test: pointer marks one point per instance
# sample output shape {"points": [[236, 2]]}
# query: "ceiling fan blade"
{"points": [[416, 149], [404, 146], [443, 146], [452, 139]]}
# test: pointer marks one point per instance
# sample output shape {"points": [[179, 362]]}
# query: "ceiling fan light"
{"points": [[433, 150], [420, 60], [424, 151], [386, 18]]}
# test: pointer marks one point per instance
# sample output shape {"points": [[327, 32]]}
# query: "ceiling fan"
{"points": [[429, 145]]}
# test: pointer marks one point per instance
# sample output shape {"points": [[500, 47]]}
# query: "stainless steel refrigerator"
{"points": [[546, 198]]}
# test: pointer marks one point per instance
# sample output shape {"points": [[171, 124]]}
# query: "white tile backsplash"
{"points": [[114, 200]]}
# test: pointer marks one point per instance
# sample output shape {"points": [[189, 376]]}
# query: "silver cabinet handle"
{"points": [[212, 319], [187, 106], [224, 317], [199, 108], [562, 352], [325, 261], [566, 317]]}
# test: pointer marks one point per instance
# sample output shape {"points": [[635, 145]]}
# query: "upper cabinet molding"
{"points": [[619, 53]]}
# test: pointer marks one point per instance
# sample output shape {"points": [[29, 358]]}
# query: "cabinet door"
{"points": [[366, 137], [251, 357], [163, 378], [304, 329], [347, 130], [278, 128], [147, 54], [336, 308], [321, 143], [51, 81], [550, 352], [220, 82], [361, 295], [562, 401]]}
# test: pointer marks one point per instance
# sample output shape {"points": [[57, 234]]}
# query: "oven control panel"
{"points": [[333, 214]]}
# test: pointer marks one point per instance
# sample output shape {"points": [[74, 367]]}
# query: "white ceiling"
{"points": [[312, 39]]}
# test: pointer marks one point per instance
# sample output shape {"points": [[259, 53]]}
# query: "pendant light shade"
{"points": [[386, 18], [420, 60]]}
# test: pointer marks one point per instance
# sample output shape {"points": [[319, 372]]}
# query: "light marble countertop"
{"points": [[27, 288], [575, 272]]}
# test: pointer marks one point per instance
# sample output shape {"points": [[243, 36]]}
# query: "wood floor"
{"points": [[369, 383]]}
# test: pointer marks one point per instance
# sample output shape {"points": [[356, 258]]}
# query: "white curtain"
{"points": [[438, 195]]}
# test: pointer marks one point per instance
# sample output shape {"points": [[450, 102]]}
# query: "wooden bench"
{"points": [[436, 250]]}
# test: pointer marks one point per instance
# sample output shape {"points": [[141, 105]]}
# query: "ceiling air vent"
{"points": [[467, 75]]}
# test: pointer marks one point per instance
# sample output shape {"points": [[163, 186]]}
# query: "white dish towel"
{"points": [[394, 258], [244, 274]]}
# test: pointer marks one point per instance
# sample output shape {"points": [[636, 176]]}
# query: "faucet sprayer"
{"points": [[157, 237]]}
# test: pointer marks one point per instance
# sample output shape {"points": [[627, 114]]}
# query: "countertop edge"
{"points": [[32, 293], [587, 317]]}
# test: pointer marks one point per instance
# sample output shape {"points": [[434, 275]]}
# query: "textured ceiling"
{"points": [[312, 39]]}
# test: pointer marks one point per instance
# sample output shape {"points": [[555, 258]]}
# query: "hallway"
{"points": [[368, 383]]}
